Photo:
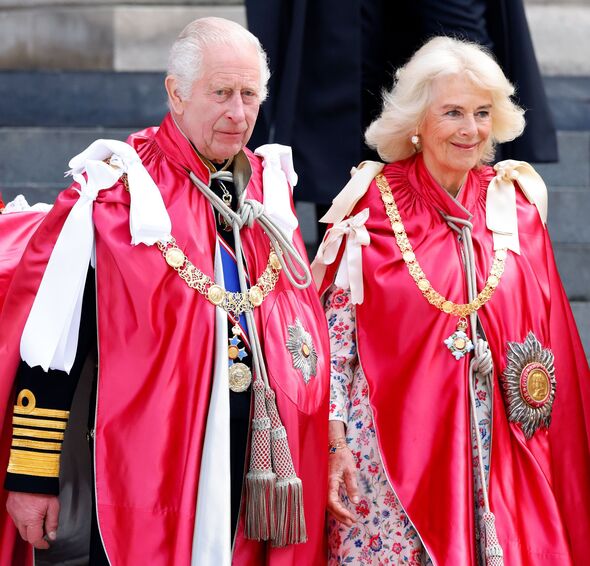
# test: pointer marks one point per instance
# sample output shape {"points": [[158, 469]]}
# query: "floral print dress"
{"points": [[383, 533]]}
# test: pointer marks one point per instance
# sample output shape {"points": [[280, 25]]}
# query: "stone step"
{"points": [[135, 35], [569, 214], [120, 99], [35, 159], [573, 263], [581, 312], [560, 32], [573, 168], [81, 99], [569, 100], [99, 34]]}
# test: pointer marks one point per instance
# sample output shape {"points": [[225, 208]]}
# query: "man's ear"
{"points": [[171, 84]]}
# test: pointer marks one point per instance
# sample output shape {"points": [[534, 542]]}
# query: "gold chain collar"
{"points": [[234, 303], [432, 296]]}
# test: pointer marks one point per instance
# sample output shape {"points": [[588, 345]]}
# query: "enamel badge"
{"points": [[529, 384], [302, 350]]}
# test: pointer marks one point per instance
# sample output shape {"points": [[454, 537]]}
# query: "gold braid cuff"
{"points": [[36, 451]]}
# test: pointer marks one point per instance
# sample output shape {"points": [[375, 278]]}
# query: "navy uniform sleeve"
{"points": [[41, 411]]}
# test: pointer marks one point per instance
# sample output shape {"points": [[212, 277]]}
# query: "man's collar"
{"points": [[213, 167]]}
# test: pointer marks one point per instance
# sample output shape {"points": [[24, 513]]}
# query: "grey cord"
{"points": [[248, 212], [482, 361]]}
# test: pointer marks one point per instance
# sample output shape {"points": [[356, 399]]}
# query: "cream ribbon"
{"points": [[278, 176], [361, 178], [501, 216], [50, 335], [350, 270]]}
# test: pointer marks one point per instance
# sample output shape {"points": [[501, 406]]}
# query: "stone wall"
{"points": [[105, 35], [99, 34]]}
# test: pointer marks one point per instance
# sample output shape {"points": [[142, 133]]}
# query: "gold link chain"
{"points": [[419, 277], [234, 303]]}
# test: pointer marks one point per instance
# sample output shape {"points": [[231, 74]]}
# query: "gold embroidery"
{"points": [[33, 463], [38, 433], [28, 396], [39, 423], [39, 444], [18, 410]]}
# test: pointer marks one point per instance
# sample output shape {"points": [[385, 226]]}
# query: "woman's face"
{"points": [[456, 128]]}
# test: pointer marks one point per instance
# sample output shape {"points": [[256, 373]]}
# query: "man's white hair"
{"points": [[406, 104], [186, 54]]}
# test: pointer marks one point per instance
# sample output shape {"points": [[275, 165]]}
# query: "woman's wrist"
{"points": [[337, 443]]}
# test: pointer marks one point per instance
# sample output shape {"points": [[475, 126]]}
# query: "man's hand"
{"points": [[342, 472], [34, 515]]}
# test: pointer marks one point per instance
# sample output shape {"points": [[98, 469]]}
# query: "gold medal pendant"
{"points": [[175, 258], [240, 377], [458, 342]]}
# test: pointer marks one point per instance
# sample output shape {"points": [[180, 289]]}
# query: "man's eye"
{"points": [[250, 96]]}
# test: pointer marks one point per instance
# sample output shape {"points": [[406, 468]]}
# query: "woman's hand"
{"points": [[341, 472]]}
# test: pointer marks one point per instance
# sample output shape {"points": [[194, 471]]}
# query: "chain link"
{"points": [[415, 270], [234, 303]]}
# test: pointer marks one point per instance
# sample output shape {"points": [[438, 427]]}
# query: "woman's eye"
{"points": [[453, 113], [483, 114]]}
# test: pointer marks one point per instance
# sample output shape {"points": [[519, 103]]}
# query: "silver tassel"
{"points": [[260, 479], [290, 517], [494, 554]]}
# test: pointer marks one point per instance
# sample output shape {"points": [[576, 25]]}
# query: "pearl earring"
{"points": [[415, 139]]}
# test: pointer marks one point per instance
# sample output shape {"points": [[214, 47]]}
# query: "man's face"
{"points": [[220, 115]]}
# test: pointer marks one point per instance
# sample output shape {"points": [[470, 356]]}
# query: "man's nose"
{"points": [[235, 109]]}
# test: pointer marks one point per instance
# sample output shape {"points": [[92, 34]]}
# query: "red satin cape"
{"points": [[155, 366], [539, 488], [16, 230]]}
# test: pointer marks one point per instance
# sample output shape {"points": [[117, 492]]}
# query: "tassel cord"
{"points": [[274, 499], [464, 228], [481, 364]]}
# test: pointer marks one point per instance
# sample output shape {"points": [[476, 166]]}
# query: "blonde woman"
{"points": [[458, 430]]}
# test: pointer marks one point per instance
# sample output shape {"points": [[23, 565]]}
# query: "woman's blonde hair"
{"points": [[405, 105]]}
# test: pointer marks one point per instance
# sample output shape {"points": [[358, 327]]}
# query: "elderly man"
{"points": [[210, 365]]}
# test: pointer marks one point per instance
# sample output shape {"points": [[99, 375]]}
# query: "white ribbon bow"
{"points": [[350, 270], [148, 218], [50, 335], [501, 216], [20, 204], [277, 175], [353, 191]]}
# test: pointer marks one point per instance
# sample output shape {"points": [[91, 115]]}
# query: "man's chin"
{"points": [[225, 153]]}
